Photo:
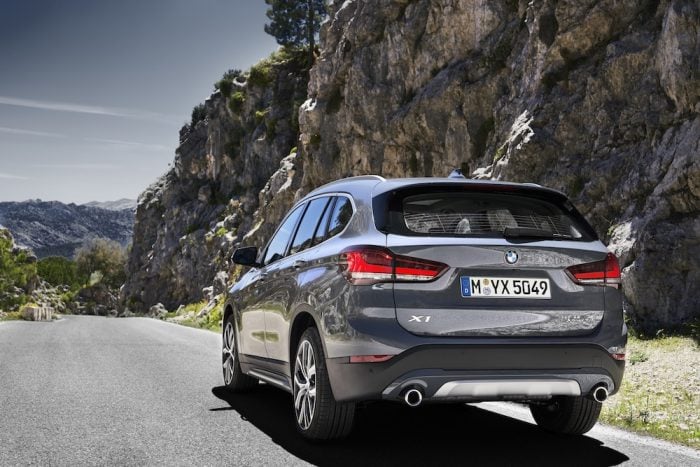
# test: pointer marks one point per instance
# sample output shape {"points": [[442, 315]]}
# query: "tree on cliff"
{"points": [[295, 22]]}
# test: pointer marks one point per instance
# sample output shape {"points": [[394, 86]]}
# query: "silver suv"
{"points": [[429, 290]]}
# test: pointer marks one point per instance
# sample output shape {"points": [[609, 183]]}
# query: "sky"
{"points": [[94, 92]]}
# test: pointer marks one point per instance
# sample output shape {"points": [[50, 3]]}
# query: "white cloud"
{"points": [[19, 131], [77, 166], [87, 109], [7, 176]]}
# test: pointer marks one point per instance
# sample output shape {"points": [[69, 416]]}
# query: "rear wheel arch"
{"points": [[301, 322], [228, 311]]}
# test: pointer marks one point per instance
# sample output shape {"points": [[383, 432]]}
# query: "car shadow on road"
{"points": [[392, 434]]}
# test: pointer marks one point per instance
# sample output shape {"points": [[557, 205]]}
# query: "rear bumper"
{"points": [[479, 372]]}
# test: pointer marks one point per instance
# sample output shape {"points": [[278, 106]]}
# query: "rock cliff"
{"points": [[188, 221], [597, 98]]}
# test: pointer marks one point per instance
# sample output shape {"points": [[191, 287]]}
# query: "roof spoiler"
{"points": [[456, 173]]}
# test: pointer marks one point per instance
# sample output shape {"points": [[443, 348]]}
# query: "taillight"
{"points": [[605, 272], [370, 265]]}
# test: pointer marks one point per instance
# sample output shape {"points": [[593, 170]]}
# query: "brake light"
{"points": [[370, 265], [606, 272]]}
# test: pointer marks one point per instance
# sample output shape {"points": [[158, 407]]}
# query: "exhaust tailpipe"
{"points": [[600, 393], [413, 397]]}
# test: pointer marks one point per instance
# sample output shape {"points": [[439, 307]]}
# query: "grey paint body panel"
{"points": [[569, 334]]}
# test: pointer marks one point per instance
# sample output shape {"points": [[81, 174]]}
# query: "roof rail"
{"points": [[351, 179], [378, 178]]}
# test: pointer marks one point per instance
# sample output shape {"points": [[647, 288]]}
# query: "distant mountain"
{"points": [[52, 228], [119, 205]]}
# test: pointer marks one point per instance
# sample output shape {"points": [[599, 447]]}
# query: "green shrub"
{"points": [[232, 74], [17, 270], [260, 74], [199, 113], [236, 102], [57, 270], [260, 116], [225, 86], [213, 319], [103, 261]]}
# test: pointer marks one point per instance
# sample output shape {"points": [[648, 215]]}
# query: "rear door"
{"points": [[507, 254], [283, 282]]}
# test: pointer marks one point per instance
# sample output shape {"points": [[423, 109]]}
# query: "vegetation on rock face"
{"points": [[17, 273], [248, 133], [199, 113]]}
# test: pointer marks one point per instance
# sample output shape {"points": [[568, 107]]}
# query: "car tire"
{"points": [[234, 378], [317, 414], [567, 415]]}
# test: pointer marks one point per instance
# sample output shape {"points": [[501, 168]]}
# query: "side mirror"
{"points": [[246, 256]]}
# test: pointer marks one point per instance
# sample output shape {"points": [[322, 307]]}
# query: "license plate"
{"points": [[504, 287]]}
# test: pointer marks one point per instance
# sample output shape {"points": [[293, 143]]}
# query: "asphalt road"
{"points": [[88, 390]]}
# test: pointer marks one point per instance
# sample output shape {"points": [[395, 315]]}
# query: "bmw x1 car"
{"points": [[429, 290]]}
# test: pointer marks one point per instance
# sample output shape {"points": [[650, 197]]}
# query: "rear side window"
{"points": [[342, 212], [278, 244], [321, 234], [485, 214], [307, 226]]}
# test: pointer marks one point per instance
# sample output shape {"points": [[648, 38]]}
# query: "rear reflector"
{"points": [[617, 352], [605, 272], [369, 358], [367, 265]]}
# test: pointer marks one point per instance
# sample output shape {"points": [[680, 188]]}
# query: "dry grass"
{"points": [[660, 393]]}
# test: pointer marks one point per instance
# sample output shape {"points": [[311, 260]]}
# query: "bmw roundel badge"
{"points": [[511, 257]]}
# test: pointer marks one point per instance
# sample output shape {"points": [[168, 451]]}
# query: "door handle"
{"points": [[298, 264]]}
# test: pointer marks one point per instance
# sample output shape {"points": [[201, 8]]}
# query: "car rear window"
{"points": [[486, 214]]}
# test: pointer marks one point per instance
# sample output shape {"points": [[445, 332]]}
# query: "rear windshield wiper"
{"points": [[525, 232]]}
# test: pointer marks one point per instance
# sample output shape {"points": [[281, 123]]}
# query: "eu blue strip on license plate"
{"points": [[466, 286]]}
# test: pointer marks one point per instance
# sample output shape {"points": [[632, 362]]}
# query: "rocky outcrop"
{"points": [[597, 98], [37, 313], [188, 222], [52, 228]]}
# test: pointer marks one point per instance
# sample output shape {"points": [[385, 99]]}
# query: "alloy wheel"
{"points": [[229, 353], [305, 384]]}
